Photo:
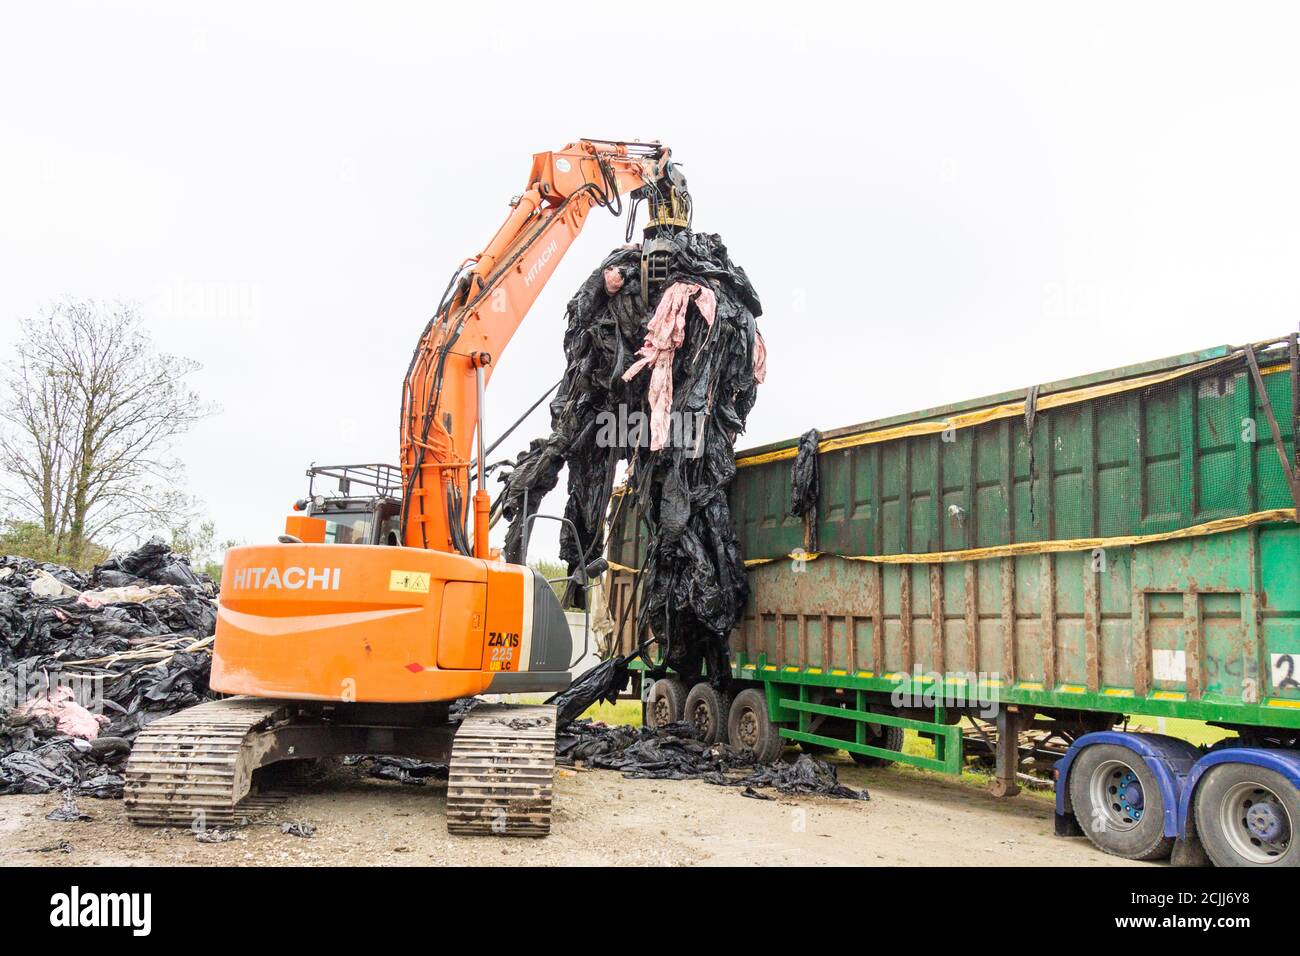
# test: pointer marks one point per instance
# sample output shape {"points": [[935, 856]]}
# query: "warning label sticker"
{"points": [[416, 582]]}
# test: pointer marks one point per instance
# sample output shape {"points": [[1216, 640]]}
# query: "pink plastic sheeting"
{"points": [[663, 336], [72, 719], [760, 357], [613, 280]]}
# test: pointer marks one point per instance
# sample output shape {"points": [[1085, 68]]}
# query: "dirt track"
{"points": [[600, 818]]}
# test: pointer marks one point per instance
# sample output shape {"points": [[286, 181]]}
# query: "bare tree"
{"points": [[87, 424]]}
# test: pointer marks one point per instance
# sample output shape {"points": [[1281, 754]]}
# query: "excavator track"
{"points": [[193, 768], [501, 773]]}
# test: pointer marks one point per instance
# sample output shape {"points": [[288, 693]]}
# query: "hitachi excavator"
{"points": [[374, 613]]}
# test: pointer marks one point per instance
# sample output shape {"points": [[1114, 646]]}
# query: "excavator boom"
{"points": [[485, 305]]}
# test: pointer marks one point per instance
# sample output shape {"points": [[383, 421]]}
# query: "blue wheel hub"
{"points": [[1264, 822], [1129, 794]]}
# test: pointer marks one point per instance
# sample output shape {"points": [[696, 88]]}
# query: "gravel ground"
{"points": [[600, 819]]}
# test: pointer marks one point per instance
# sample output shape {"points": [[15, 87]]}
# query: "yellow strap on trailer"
{"points": [[1218, 526], [995, 412]]}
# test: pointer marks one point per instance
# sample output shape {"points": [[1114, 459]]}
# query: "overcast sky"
{"points": [[934, 201]]}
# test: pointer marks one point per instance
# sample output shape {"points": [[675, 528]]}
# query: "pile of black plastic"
{"points": [[408, 770], [805, 487], [693, 585], [675, 752], [115, 648]]}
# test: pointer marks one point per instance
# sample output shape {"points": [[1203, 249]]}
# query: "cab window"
{"points": [[348, 527]]}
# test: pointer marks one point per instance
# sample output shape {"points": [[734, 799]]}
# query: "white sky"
{"points": [[935, 201]]}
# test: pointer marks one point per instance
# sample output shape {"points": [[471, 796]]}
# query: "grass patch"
{"points": [[616, 714], [1193, 731], [916, 745]]}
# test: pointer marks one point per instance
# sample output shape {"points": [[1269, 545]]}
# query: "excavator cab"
{"points": [[345, 514]]}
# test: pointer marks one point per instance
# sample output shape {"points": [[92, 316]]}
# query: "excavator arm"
{"points": [[484, 305]]}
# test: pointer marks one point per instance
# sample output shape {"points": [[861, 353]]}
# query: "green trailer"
{"points": [[1036, 565]]}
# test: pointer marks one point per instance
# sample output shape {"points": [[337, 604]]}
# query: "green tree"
{"points": [[199, 544], [28, 539]]}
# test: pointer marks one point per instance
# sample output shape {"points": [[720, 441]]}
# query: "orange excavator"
{"points": [[375, 613]]}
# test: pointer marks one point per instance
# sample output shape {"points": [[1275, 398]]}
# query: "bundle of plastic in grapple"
{"points": [[665, 385]]}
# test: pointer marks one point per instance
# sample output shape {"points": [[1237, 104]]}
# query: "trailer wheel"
{"points": [[750, 728], [1118, 804], [707, 711], [666, 704], [891, 738], [1245, 816]]}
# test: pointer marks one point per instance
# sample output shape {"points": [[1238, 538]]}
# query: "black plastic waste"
{"points": [[674, 752], [807, 775], [152, 562], [693, 584], [43, 638], [67, 811], [602, 682], [805, 486], [408, 770]]}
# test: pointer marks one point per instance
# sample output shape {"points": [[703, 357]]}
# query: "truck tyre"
{"points": [[666, 704], [707, 710], [1118, 803], [891, 738], [750, 728], [1245, 816]]}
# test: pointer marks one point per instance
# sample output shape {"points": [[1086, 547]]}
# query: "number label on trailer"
{"points": [[1284, 672]]}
